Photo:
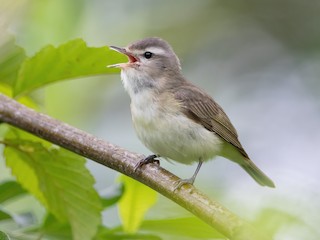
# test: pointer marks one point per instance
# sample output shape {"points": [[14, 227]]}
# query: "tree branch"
{"points": [[123, 161]]}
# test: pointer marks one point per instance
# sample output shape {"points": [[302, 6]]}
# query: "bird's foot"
{"points": [[182, 182], [149, 159], [190, 181]]}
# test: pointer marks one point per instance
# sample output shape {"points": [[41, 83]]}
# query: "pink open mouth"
{"points": [[132, 59]]}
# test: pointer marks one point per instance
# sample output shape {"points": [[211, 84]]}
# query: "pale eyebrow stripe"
{"points": [[155, 50]]}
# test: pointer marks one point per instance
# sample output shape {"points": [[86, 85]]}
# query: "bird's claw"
{"points": [[182, 182], [149, 159]]}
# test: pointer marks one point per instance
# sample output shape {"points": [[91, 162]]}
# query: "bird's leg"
{"points": [[181, 182], [149, 159]]}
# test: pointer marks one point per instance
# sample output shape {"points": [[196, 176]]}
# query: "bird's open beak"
{"points": [[132, 59]]}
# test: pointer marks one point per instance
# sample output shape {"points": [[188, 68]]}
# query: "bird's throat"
{"points": [[135, 82]]}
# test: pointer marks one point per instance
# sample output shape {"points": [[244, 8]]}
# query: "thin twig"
{"points": [[123, 161]]}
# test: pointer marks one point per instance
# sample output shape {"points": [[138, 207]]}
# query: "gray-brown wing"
{"points": [[201, 108]]}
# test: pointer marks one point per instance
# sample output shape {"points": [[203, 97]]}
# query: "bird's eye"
{"points": [[148, 55]]}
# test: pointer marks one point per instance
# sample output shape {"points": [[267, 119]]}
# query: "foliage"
{"points": [[59, 179], [71, 60], [56, 177], [136, 200], [4, 236]]}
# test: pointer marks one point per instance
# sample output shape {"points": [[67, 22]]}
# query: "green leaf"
{"points": [[135, 202], [9, 190], [25, 100], [60, 180], [11, 58], [71, 60], [4, 236], [54, 229], [188, 227], [111, 199], [4, 215], [118, 234]]}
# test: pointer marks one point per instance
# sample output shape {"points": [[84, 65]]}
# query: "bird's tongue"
{"points": [[131, 58]]}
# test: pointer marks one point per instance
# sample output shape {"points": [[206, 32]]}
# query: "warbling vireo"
{"points": [[175, 119]]}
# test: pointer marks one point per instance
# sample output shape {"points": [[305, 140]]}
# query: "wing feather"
{"points": [[200, 107]]}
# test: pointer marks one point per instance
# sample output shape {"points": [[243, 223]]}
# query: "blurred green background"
{"points": [[258, 59]]}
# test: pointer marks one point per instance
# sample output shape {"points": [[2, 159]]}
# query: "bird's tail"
{"points": [[257, 174]]}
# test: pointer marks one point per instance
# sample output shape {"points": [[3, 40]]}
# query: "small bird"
{"points": [[175, 119]]}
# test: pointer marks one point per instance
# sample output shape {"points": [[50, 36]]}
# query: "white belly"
{"points": [[171, 134]]}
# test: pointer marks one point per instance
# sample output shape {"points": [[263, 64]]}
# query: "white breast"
{"points": [[166, 131]]}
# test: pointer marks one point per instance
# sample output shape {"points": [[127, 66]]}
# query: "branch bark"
{"points": [[123, 161]]}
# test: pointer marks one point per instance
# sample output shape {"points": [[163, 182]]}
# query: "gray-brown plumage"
{"points": [[174, 118], [201, 108]]}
